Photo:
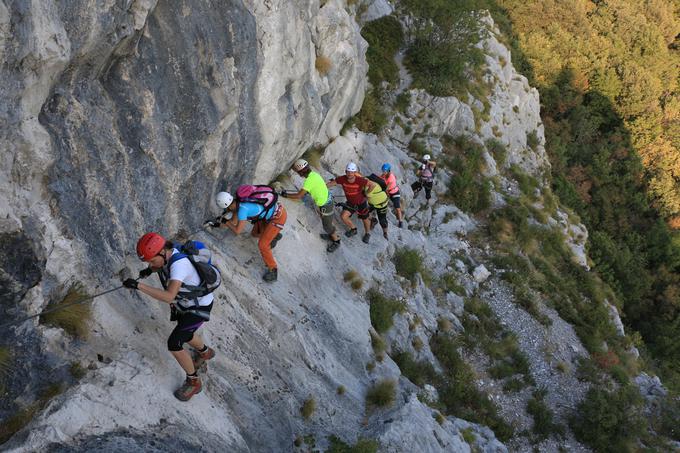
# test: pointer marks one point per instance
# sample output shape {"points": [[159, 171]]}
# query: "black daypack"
{"points": [[378, 180]]}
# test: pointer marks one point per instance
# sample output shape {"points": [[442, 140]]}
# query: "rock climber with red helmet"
{"points": [[177, 276], [354, 185]]}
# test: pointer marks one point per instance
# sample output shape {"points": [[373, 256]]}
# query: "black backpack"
{"points": [[378, 180]]}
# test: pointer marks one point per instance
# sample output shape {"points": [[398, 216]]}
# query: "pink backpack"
{"points": [[259, 194]]}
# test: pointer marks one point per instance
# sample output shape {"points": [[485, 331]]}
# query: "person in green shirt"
{"points": [[377, 201], [315, 186]]}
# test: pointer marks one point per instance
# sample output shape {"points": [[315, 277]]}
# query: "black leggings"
{"points": [[427, 185], [382, 215], [184, 331]]}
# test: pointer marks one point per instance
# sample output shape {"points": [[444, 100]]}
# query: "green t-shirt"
{"points": [[377, 197], [315, 185]]}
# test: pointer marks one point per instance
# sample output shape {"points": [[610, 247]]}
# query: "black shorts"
{"points": [[361, 209], [396, 200], [183, 332]]}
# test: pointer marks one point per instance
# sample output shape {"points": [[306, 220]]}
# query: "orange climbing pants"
{"points": [[267, 231]]}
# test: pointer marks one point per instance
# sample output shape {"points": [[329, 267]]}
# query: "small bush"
{"points": [[382, 394], [469, 190], [527, 184], [384, 37], [610, 420], [73, 319], [417, 343], [308, 408], [362, 446], [449, 282], [420, 373], [408, 263], [382, 310], [357, 284], [544, 426], [323, 65], [439, 417], [341, 390], [372, 117], [402, 102], [417, 147]]}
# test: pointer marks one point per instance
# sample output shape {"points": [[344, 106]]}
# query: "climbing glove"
{"points": [[130, 283], [145, 272]]}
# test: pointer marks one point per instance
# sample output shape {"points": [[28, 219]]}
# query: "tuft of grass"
{"points": [[370, 366], [74, 319], [497, 150], [562, 367], [420, 373], [417, 344], [382, 310], [469, 435], [362, 446], [439, 417], [408, 263], [341, 390], [357, 284], [449, 282], [444, 324], [22, 417], [77, 370], [382, 394], [308, 408], [532, 140], [527, 184], [379, 346], [5, 361], [350, 275], [323, 65], [417, 147]]}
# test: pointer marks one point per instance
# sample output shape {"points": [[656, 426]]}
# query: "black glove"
{"points": [[130, 283], [145, 273], [283, 193]]}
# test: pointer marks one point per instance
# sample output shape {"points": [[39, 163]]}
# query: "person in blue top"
{"points": [[267, 225]]}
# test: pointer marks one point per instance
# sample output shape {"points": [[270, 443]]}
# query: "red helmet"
{"points": [[150, 245]]}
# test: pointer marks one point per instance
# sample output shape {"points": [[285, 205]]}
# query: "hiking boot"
{"points": [[400, 224], [333, 246], [191, 387], [270, 275], [350, 233], [374, 222], [200, 359], [325, 236], [275, 240], [366, 238]]}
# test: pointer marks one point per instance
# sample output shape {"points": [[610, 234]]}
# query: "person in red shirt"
{"points": [[353, 185]]}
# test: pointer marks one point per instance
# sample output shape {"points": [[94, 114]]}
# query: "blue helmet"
{"points": [[386, 167]]}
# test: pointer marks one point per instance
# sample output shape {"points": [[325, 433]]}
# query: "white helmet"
{"points": [[224, 199], [351, 167], [426, 157], [300, 164]]}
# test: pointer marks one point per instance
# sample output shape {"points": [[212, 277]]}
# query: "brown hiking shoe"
{"points": [[191, 387], [200, 358]]}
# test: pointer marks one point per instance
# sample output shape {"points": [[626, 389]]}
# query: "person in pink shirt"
{"points": [[392, 191]]}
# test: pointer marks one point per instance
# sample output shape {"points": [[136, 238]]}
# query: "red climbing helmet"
{"points": [[150, 245]]}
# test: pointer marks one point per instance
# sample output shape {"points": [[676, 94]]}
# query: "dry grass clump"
{"points": [[354, 279], [308, 408], [73, 319], [382, 394], [323, 65]]}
